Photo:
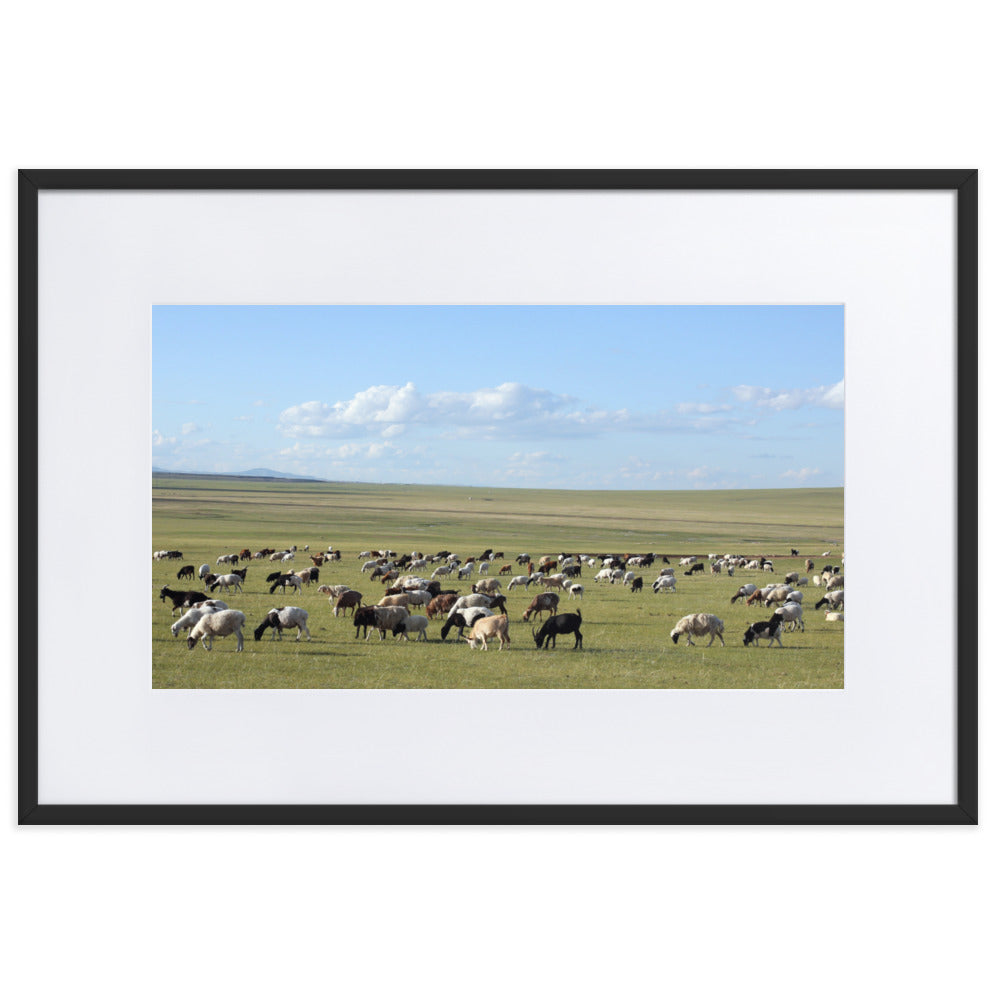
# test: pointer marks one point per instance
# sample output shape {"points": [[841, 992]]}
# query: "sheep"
{"points": [[699, 624], [745, 591], [348, 599], [519, 581], [282, 618], [227, 581], [494, 627], [770, 629], [287, 580], [440, 605], [463, 619], [411, 623], [835, 582], [605, 573], [189, 619], [793, 597], [637, 584], [834, 598], [687, 561], [213, 604], [778, 595], [576, 590], [386, 619], [664, 583], [394, 601], [809, 566], [332, 591], [203, 570], [698, 567], [559, 625], [181, 598], [539, 603], [835, 616], [792, 577], [489, 586], [217, 625], [791, 614], [446, 570]]}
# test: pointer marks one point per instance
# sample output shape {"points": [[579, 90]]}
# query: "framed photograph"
{"points": [[498, 496]]}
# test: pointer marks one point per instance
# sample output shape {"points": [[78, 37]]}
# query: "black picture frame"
{"points": [[963, 183]]}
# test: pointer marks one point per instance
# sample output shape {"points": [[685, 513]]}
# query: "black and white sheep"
{"points": [[411, 623], [770, 630], [282, 618]]}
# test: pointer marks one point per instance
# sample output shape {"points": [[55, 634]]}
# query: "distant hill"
{"points": [[249, 474]]}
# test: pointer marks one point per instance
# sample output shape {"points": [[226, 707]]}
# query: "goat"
{"points": [[463, 619], [348, 599], [637, 584], [559, 625], [770, 630], [540, 603], [185, 572], [698, 567], [182, 598], [493, 627]]}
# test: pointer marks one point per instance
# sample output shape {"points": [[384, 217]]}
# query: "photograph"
{"points": [[594, 496]]}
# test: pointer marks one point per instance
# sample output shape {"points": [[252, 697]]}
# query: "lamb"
{"points": [[699, 624], [217, 625], [281, 618], [770, 630], [494, 627], [411, 623]]}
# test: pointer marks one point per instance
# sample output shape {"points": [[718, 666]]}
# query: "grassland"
{"points": [[626, 636]]}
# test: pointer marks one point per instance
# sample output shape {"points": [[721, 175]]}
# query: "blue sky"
{"points": [[569, 397]]}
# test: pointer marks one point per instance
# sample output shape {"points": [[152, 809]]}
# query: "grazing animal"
{"points": [[835, 616], [282, 618], [387, 619], [203, 570], [770, 630], [698, 567], [834, 599], [539, 603], [492, 627], [792, 577], [637, 584], [518, 581], [699, 624], [182, 598], [440, 605], [463, 619], [287, 580], [189, 619], [411, 623], [185, 573], [348, 599], [563, 624], [791, 615], [245, 555], [227, 581], [217, 625]]}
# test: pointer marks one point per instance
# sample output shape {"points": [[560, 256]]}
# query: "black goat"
{"points": [[364, 619], [182, 598], [185, 571], [637, 584], [696, 568], [559, 625]]}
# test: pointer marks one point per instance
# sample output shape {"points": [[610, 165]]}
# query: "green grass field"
{"points": [[625, 635]]}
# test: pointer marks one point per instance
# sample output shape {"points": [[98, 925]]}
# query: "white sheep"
{"points": [[791, 615], [229, 580], [699, 623], [519, 581], [282, 618], [664, 583], [411, 623], [833, 598], [576, 589], [217, 625], [387, 617], [203, 570], [835, 616], [189, 619]]}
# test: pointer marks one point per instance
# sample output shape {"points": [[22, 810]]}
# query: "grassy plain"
{"points": [[626, 636]]}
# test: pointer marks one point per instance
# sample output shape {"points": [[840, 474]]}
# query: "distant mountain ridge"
{"points": [[249, 474]]}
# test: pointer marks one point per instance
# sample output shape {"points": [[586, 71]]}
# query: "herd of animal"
{"points": [[413, 582]]}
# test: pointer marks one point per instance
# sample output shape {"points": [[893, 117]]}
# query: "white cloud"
{"points": [[160, 441], [508, 410], [189, 428], [826, 396], [703, 407], [800, 475]]}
